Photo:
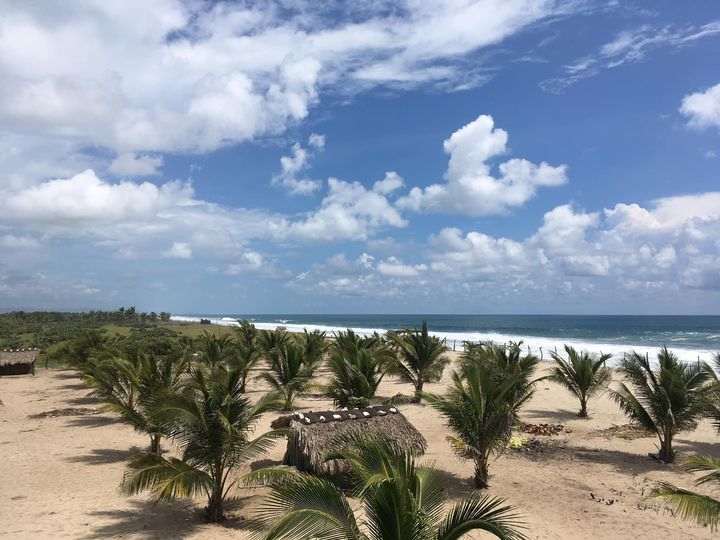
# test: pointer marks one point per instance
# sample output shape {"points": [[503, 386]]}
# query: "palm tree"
{"points": [[290, 372], [482, 406], [355, 377], [581, 374], [210, 420], [703, 509], [246, 352], [420, 358], [214, 349], [130, 387], [271, 340], [314, 346], [348, 341], [400, 499], [666, 400]]}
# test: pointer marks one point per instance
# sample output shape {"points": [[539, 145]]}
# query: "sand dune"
{"points": [[62, 460]]}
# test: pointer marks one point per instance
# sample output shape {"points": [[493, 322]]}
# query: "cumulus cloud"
{"points": [[627, 47], [673, 242], [393, 267], [702, 109], [140, 219], [669, 247], [349, 211], [470, 187], [293, 165], [186, 77]]}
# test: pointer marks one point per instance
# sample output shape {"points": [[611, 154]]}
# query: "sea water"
{"points": [[690, 337]]}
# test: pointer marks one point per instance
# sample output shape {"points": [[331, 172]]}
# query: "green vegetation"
{"points": [[210, 419], [41, 329], [420, 358], [702, 509], [482, 404], [400, 500], [666, 400], [357, 366], [581, 374]]}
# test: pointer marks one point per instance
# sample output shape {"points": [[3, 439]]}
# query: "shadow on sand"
{"points": [[104, 456], [556, 415], [94, 421], [150, 520]]}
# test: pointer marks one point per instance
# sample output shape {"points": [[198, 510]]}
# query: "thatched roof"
{"points": [[314, 435], [17, 356], [17, 362]]}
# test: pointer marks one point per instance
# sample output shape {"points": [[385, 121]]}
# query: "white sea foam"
{"points": [[541, 346]]}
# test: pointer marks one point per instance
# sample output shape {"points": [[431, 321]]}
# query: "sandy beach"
{"points": [[63, 459]]}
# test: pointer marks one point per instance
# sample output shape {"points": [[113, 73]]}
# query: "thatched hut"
{"points": [[17, 361], [314, 435]]}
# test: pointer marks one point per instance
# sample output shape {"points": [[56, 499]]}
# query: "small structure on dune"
{"points": [[17, 361], [314, 435]]}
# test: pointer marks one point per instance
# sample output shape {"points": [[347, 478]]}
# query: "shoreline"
{"points": [[540, 346]]}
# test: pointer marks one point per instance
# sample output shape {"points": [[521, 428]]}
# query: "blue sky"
{"points": [[525, 156]]}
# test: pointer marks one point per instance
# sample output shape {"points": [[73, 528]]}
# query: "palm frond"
{"points": [[690, 505], [489, 514]]}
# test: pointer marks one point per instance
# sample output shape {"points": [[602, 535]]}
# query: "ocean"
{"points": [[690, 337]]}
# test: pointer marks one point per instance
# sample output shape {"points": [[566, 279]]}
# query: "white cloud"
{"points": [[672, 242], [179, 250], [136, 220], [393, 267], [703, 108], [471, 188], [629, 46], [349, 211], [293, 165], [187, 77], [131, 164], [86, 198], [392, 182]]}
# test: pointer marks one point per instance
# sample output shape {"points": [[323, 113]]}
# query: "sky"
{"points": [[416, 156]]}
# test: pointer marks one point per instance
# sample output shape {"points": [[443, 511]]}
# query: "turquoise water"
{"points": [[690, 336]]}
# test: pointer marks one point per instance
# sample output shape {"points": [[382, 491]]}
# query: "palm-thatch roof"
{"points": [[313, 436], [17, 361]]}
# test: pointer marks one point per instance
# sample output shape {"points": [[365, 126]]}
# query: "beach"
{"points": [[63, 460]]}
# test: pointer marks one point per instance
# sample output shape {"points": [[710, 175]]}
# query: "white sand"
{"points": [[59, 475]]}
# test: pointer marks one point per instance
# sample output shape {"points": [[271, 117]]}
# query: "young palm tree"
{"points": [[314, 346], [214, 349], [210, 420], [355, 377], [348, 341], [131, 387], [420, 358], [272, 340], [401, 501], [581, 374], [246, 352], [703, 509], [481, 408], [666, 400], [290, 373]]}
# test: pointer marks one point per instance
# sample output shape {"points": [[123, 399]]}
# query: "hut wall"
{"points": [[21, 368]]}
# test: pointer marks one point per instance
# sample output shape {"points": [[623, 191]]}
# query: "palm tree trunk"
{"points": [[155, 443], [418, 390], [215, 512], [583, 408], [666, 450], [481, 472]]}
